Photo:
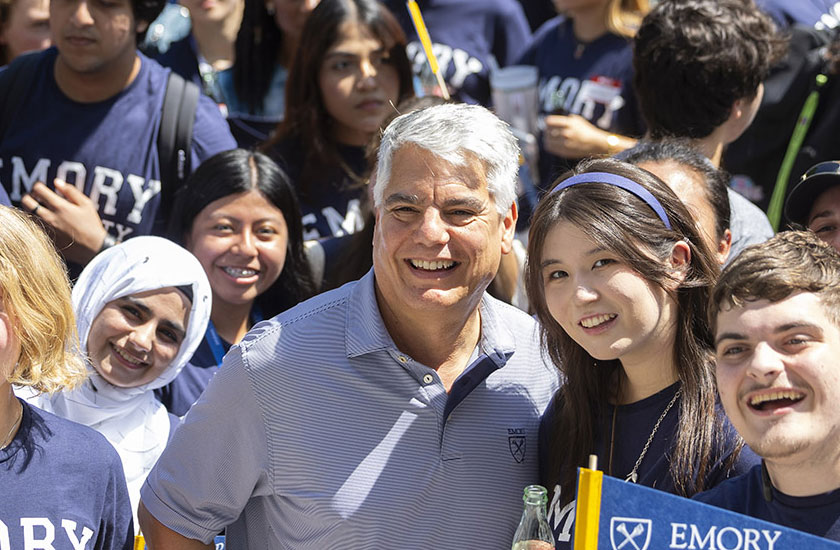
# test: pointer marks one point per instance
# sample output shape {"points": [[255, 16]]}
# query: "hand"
{"points": [[574, 137], [78, 231]]}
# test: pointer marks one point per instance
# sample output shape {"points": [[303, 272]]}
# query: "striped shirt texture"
{"points": [[318, 433]]}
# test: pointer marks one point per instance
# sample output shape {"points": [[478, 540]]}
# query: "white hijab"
{"points": [[132, 419]]}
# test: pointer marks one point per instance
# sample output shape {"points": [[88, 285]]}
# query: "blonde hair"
{"points": [[35, 294], [625, 16]]}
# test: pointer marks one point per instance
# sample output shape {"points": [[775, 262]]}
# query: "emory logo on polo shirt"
{"points": [[516, 444]]}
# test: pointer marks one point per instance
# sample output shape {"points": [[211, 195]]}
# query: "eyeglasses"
{"points": [[827, 167]]}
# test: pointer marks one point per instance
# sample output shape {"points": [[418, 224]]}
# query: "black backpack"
{"points": [[174, 136]]}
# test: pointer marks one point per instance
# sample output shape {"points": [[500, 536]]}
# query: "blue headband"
{"points": [[618, 181]]}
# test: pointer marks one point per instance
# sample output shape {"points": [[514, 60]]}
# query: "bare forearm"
{"points": [[160, 537]]}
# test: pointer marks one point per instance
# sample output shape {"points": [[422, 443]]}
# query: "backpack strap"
{"points": [[15, 81], [174, 141]]}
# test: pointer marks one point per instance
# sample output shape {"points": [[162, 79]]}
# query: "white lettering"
{"points": [[751, 538], [29, 540], [465, 65], [20, 176], [350, 223], [566, 514], [771, 542], [444, 56], [312, 233], [678, 535], [4, 537], [70, 529], [738, 537], [702, 541], [108, 182], [141, 196], [77, 169]]}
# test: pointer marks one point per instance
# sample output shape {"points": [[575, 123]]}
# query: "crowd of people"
{"points": [[258, 280]]}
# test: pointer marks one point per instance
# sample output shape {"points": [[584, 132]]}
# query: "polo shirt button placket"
{"points": [[428, 379]]}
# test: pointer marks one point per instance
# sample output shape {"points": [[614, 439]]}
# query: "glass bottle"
{"points": [[533, 532]]}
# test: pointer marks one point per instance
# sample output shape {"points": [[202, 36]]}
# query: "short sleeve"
{"points": [[116, 530], [217, 460], [211, 133]]}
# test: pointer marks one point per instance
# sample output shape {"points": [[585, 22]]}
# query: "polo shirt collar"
{"points": [[365, 330]]}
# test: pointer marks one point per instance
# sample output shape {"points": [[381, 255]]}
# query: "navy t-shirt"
{"points": [[468, 37], [108, 149], [816, 13], [596, 84], [180, 394], [818, 515], [330, 200], [62, 487], [633, 425]]}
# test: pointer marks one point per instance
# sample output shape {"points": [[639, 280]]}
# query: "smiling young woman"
{"points": [[239, 216], [619, 277], [141, 310], [40, 453]]}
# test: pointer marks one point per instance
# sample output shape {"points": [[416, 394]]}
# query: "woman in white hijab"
{"points": [[141, 310]]}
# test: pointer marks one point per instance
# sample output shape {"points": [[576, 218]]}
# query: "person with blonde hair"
{"points": [[42, 454], [586, 98]]}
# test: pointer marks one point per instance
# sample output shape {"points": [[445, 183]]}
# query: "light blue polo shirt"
{"points": [[319, 433]]}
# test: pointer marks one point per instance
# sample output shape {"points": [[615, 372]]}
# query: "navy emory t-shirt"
{"points": [[62, 487], [108, 149]]}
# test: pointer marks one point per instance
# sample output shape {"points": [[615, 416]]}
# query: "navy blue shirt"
{"points": [[633, 425], [62, 484], [330, 200], [818, 515], [804, 12], [108, 149], [468, 38], [180, 394], [595, 83]]}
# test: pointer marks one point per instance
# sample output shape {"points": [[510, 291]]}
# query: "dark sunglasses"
{"points": [[827, 167]]}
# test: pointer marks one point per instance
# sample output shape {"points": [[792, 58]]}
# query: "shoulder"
{"points": [[322, 314], [734, 494], [64, 438], [549, 29]]}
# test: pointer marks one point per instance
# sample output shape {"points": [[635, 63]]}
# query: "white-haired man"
{"points": [[402, 409]]}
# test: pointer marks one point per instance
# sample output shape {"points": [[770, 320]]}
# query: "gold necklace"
{"points": [[633, 476], [7, 440]]}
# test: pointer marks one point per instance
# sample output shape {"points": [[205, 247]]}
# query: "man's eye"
{"points": [[731, 350]]}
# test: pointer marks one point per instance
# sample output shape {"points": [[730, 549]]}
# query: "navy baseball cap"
{"points": [[814, 182]]}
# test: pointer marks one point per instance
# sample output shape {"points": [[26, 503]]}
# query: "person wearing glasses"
{"points": [[815, 202]]}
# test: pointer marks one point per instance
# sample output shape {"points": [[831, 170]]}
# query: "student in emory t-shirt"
{"points": [[777, 348], [469, 39], [91, 119], [588, 82], [61, 484]]}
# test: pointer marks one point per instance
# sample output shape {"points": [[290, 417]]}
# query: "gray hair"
{"points": [[449, 131]]}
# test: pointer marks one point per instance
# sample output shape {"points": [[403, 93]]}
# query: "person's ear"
{"points": [[141, 27], [724, 247], [509, 228], [680, 260]]}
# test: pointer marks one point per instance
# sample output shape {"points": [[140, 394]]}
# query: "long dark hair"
{"points": [[628, 227], [239, 171], [258, 44], [306, 118]]}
